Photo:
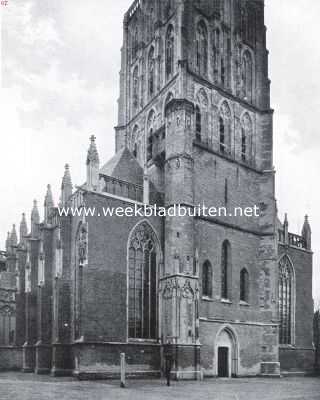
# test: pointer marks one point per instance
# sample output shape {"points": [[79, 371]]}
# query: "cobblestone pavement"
{"points": [[18, 386]]}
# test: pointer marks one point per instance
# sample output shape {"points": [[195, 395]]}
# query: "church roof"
{"points": [[124, 166]]}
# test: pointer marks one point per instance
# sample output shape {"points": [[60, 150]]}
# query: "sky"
{"points": [[59, 84]]}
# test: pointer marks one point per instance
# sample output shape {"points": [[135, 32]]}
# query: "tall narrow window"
{"points": [[243, 144], [222, 135], [244, 285], [202, 48], [169, 52], [198, 123], [135, 88], [223, 72], [247, 78], [151, 72], [207, 279], [286, 288], [143, 283], [225, 269]]}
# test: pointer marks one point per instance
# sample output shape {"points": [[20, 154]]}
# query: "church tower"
{"points": [[194, 109]]}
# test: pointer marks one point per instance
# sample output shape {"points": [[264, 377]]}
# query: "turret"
{"points": [[66, 186], [306, 233], [48, 204], [35, 221], [93, 164], [23, 230]]}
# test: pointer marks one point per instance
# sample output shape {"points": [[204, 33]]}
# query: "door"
{"points": [[223, 362]]}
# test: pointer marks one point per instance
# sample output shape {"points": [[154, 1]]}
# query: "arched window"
{"points": [[246, 138], [135, 88], [142, 271], [286, 306], [244, 285], [247, 78], [170, 52], [151, 72], [225, 129], [225, 269], [202, 48], [198, 123], [207, 279]]}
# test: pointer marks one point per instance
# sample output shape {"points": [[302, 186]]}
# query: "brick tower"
{"points": [[194, 109]]}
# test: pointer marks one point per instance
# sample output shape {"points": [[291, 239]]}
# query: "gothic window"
{"points": [[142, 271], [286, 295], [207, 279], [244, 285], [151, 72], [225, 269], [225, 129], [246, 138], [170, 52], [135, 89], [247, 76], [198, 123], [202, 48]]}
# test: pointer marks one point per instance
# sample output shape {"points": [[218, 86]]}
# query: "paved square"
{"points": [[18, 386]]}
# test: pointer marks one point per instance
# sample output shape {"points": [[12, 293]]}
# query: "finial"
{"points": [[93, 163], [23, 229], [306, 233], [66, 186], [93, 155], [13, 237]]}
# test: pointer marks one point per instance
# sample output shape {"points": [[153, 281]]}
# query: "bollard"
{"points": [[122, 370]]}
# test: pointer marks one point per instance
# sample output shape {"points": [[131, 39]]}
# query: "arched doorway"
{"points": [[226, 353]]}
